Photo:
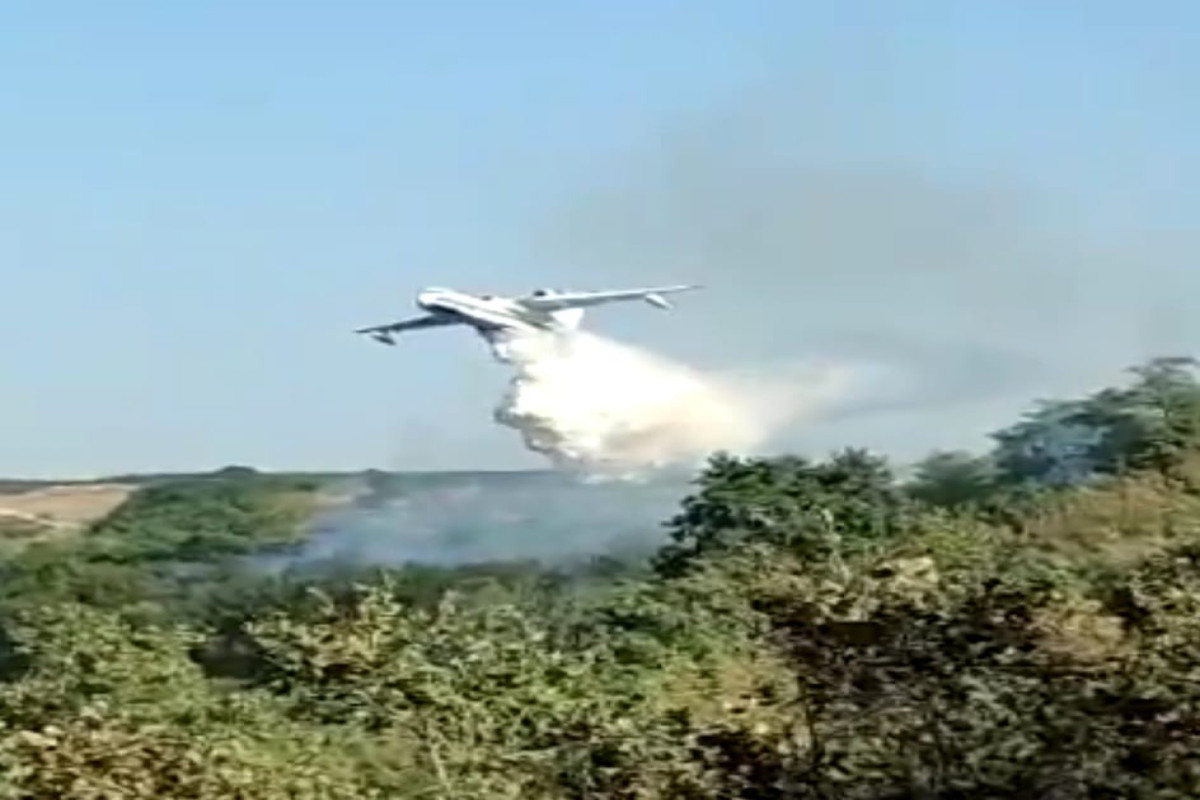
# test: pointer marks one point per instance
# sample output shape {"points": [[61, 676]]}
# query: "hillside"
{"points": [[32, 508], [1017, 623], [43, 509]]}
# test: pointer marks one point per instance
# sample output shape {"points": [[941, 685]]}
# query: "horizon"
{"points": [[151, 473]]}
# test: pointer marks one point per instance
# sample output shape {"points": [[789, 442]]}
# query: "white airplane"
{"points": [[546, 310]]}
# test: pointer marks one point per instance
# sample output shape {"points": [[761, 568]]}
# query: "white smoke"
{"points": [[602, 408]]}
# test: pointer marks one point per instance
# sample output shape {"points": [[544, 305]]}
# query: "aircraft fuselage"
{"points": [[485, 313], [496, 318]]}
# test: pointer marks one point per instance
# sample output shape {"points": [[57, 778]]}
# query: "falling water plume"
{"points": [[596, 406]]}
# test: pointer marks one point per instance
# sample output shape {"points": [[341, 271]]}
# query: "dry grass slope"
{"points": [[61, 507]]}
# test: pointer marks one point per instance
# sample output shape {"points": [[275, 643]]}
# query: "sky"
{"points": [[200, 201]]}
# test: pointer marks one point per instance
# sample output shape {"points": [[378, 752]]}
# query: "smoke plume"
{"points": [[601, 407], [470, 518], [987, 283], [623, 427]]}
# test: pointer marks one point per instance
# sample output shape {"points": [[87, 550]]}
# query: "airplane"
{"points": [[544, 310]]}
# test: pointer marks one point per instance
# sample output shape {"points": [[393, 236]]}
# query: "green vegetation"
{"points": [[1022, 623], [143, 552]]}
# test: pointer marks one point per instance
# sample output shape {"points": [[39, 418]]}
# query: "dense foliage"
{"points": [[161, 544], [1021, 623]]}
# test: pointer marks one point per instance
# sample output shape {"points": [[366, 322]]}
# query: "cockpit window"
{"points": [[539, 293]]}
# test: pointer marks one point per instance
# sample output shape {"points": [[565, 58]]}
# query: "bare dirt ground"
{"points": [[63, 506]]}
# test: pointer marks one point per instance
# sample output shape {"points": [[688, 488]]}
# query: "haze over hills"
{"points": [[378, 517]]}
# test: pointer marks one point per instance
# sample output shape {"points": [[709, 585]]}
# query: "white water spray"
{"points": [[603, 408]]}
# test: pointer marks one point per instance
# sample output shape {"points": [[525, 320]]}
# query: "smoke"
{"points": [[596, 406], [470, 518], [985, 285], [624, 429]]}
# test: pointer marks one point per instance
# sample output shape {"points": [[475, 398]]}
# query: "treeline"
{"points": [[1022, 623], [164, 546]]}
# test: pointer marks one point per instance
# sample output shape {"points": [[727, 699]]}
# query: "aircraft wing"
{"points": [[555, 302], [384, 333]]}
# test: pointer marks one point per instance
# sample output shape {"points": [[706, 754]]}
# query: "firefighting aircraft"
{"points": [[545, 310]]}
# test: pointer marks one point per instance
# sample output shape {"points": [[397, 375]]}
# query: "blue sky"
{"points": [[198, 201]]}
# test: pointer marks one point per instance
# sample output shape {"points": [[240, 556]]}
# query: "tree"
{"points": [[1151, 424], [953, 479], [106, 710], [810, 508]]}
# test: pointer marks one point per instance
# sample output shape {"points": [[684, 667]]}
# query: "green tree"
{"points": [[1151, 424], [817, 509], [953, 479], [106, 710]]}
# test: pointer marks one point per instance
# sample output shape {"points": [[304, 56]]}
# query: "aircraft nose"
{"points": [[426, 299]]}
